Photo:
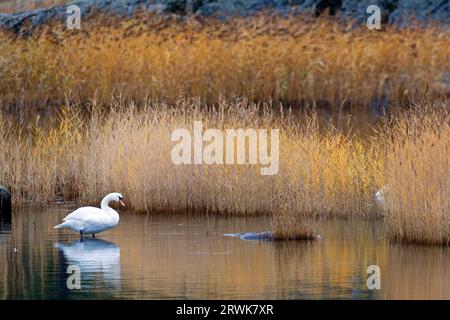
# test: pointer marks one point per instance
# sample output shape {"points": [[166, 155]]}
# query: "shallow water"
{"points": [[161, 257]]}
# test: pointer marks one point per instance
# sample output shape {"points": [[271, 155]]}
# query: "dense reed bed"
{"points": [[296, 60], [129, 148], [95, 145], [322, 172], [418, 176]]}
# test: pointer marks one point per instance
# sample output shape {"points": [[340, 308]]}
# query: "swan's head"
{"points": [[119, 198]]}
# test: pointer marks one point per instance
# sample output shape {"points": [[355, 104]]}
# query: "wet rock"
{"points": [[34, 18], [5, 202], [264, 236], [261, 236]]}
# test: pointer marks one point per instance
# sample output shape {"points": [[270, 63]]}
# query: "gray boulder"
{"points": [[260, 236], [88, 8]]}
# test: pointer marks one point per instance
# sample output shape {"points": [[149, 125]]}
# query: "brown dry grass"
{"points": [[323, 172], [418, 176], [125, 145], [296, 60], [129, 150]]}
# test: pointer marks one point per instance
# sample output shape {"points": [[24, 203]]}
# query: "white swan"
{"points": [[380, 196], [92, 220]]}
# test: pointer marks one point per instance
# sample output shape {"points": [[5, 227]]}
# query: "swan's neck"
{"points": [[105, 203]]}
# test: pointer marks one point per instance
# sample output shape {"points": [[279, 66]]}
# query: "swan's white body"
{"points": [[380, 195], [92, 220]]}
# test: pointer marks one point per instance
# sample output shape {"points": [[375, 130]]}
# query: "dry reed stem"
{"points": [[293, 60]]}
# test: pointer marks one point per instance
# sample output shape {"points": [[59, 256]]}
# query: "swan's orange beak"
{"points": [[122, 203]]}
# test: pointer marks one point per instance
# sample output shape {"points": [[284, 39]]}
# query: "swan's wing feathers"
{"points": [[87, 214]]}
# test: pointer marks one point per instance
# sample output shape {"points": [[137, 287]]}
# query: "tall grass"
{"points": [[323, 172], [129, 148], [296, 60], [418, 177], [148, 63]]}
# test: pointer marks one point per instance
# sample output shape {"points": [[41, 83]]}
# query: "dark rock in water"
{"points": [[393, 11], [5, 204], [5, 196], [266, 236], [262, 236]]}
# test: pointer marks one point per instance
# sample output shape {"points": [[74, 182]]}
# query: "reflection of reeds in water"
{"points": [[25, 267], [179, 256], [188, 261], [416, 272]]}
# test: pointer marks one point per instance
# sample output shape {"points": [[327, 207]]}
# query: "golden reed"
{"points": [[298, 60], [150, 62], [322, 171]]}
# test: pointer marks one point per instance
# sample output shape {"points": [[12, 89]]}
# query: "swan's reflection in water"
{"points": [[180, 257], [98, 260]]}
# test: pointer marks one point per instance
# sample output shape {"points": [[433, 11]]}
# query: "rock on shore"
{"points": [[5, 200]]}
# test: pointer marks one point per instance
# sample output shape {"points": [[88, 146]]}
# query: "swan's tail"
{"points": [[63, 225]]}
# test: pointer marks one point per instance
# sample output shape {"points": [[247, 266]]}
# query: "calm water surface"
{"points": [[177, 257]]}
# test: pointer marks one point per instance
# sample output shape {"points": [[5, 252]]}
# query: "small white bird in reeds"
{"points": [[380, 196]]}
